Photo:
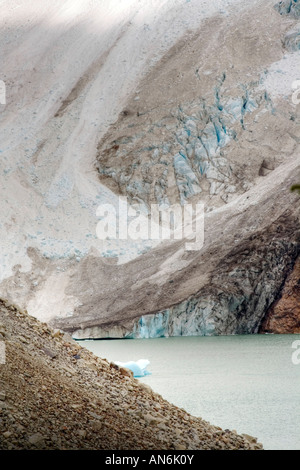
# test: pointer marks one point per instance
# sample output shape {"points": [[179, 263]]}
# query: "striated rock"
{"points": [[240, 290], [284, 315], [243, 283]]}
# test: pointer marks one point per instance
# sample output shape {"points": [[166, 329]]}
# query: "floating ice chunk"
{"points": [[138, 368]]}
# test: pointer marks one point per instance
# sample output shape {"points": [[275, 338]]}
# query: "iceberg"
{"points": [[139, 368]]}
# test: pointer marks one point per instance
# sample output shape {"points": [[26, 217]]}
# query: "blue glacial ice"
{"points": [[139, 368], [187, 181], [191, 151], [289, 7], [292, 41]]}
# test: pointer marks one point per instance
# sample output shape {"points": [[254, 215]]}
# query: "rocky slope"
{"points": [[54, 394]]}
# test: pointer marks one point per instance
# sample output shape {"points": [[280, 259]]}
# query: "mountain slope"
{"points": [[55, 394]]}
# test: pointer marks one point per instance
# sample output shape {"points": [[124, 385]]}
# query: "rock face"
{"points": [[75, 401], [226, 306], [284, 315], [240, 290]]}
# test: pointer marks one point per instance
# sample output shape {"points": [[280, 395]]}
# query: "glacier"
{"points": [[139, 368]]}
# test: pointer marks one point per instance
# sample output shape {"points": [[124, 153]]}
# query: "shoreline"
{"points": [[58, 395]]}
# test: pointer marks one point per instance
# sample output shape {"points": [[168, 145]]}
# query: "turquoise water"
{"points": [[246, 383]]}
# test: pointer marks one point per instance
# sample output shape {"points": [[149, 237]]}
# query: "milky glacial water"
{"points": [[247, 383]]}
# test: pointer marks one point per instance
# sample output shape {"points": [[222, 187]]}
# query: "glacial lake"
{"points": [[247, 383]]}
